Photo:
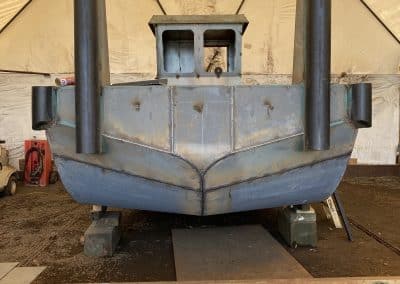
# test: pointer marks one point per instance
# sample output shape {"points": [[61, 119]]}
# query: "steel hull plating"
{"points": [[202, 150], [95, 185]]}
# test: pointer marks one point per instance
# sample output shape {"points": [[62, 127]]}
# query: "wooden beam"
{"points": [[25, 72], [342, 280]]}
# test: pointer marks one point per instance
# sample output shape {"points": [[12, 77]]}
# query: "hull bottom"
{"points": [[95, 185]]}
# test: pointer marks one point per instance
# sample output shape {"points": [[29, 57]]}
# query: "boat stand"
{"points": [[298, 225], [103, 235]]}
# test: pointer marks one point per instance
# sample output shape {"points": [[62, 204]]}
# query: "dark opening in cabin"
{"points": [[219, 50], [178, 51]]}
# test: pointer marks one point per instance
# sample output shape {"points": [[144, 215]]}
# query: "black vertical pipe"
{"points": [[317, 74], [91, 71]]}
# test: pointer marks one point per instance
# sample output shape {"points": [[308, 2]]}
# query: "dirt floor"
{"points": [[44, 226]]}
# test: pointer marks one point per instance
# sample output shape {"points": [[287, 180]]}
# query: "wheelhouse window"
{"points": [[219, 50], [178, 48]]}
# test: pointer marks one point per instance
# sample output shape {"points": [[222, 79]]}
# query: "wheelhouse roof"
{"points": [[198, 19]]}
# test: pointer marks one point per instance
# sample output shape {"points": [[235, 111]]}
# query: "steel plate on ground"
{"points": [[232, 253]]}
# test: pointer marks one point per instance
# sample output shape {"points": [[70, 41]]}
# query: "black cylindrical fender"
{"points": [[361, 105], [42, 107]]}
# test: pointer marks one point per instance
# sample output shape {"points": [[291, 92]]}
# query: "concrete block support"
{"points": [[298, 227], [103, 235]]}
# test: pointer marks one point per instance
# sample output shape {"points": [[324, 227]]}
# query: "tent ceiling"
{"points": [[389, 12], [41, 37], [8, 9]]}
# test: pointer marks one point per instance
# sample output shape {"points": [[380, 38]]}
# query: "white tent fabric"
{"points": [[389, 12], [8, 9], [41, 39]]}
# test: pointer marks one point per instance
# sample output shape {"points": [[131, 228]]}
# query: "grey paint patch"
{"points": [[138, 113], [202, 123], [276, 157], [94, 185], [124, 156], [201, 150], [298, 186]]}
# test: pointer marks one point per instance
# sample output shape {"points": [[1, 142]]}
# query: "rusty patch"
{"points": [[198, 107], [136, 105], [269, 107]]}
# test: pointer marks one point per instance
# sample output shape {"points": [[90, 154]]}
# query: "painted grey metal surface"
{"points": [[197, 19], [117, 189], [361, 106], [202, 150], [127, 157], [141, 116], [267, 113], [202, 120], [173, 56], [42, 108], [179, 56], [298, 186], [201, 144], [95, 185], [205, 123], [317, 74], [91, 71], [275, 157]]}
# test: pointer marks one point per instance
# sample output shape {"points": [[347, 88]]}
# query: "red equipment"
{"points": [[37, 162]]}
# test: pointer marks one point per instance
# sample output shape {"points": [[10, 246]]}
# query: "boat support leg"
{"points": [[103, 235], [298, 225]]}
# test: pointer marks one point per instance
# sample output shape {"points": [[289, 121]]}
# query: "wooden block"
{"points": [[352, 161], [330, 207], [22, 275], [231, 253], [103, 235], [6, 268]]}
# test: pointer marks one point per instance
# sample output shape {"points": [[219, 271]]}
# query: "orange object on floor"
{"points": [[37, 162]]}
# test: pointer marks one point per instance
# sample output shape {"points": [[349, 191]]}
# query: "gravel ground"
{"points": [[44, 226]]}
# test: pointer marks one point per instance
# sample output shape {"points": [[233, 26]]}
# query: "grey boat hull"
{"points": [[303, 185], [201, 150]]}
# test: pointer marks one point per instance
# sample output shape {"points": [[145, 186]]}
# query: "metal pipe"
{"points": [[317, 74], [91, 72], [42, 107], [361, 105]]}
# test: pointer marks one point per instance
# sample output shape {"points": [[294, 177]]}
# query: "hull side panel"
{"points": [[298, 186], [276, 157], [128, 157], [94, 185]]}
